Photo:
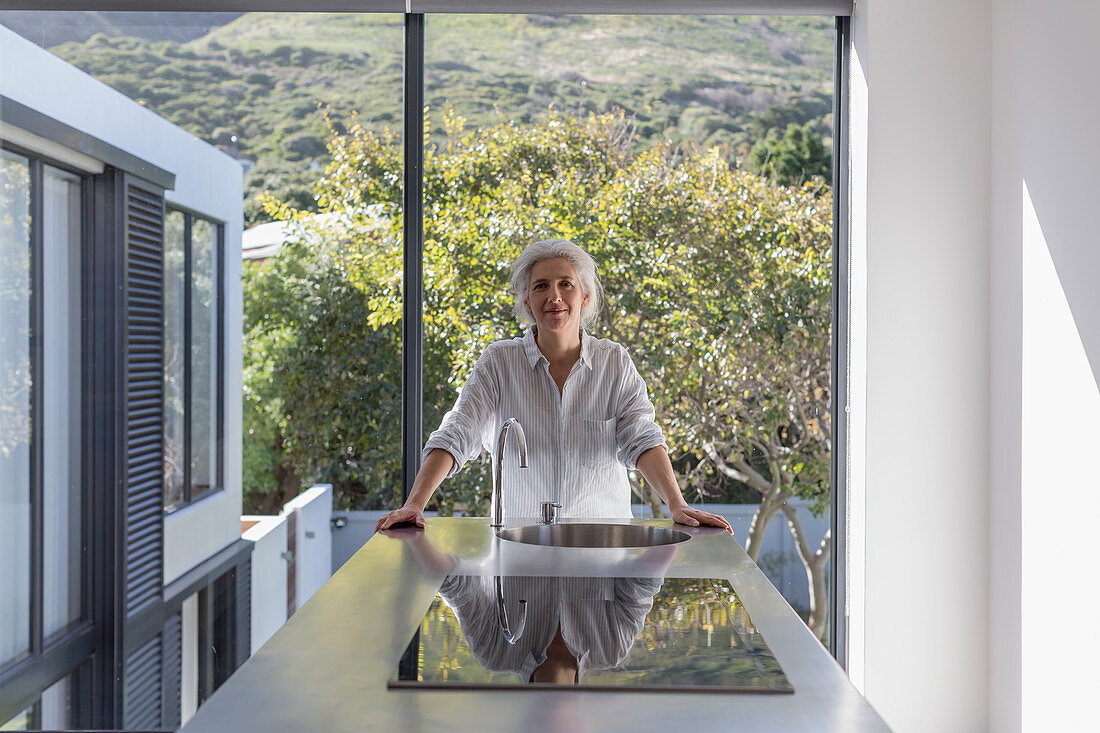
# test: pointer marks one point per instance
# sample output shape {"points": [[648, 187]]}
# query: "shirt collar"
{"points": [[586, 349], [534, 356]]}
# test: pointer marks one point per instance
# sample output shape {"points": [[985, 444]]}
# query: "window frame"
{"points": [[70, 650], [190, 497], [67, 651], [840, 346]]}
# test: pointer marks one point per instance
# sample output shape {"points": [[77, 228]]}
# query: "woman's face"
{"points": [[554, 297]]}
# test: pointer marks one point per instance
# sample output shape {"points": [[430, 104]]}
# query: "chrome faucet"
{"points": [[549, 512], [498, 512]]}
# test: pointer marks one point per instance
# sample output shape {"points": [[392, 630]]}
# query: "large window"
{"points": [[192, 358], [333, 381], [691, 156], [41, 492]]}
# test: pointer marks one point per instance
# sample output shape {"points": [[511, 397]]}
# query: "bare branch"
{"points": [[740, 470]]}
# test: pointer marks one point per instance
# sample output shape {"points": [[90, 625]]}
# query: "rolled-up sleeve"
{"points": [[636, 428], [466, 427]]}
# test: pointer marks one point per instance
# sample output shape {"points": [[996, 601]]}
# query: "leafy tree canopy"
{"points": [[798, 156], [718, 284]]}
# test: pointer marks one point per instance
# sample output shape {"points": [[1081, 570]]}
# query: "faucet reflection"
{"points": [[502, 615]]}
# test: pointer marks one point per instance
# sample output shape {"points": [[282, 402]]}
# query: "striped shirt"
{"points": [[580, 442]]}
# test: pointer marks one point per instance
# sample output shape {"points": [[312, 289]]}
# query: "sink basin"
{"points": [[593, 535]]}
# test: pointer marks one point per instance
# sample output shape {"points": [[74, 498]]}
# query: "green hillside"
{"points": [[257, 85], [53, 28]]}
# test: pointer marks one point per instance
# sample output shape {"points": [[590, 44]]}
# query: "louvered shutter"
{"points": [[142, 443], [144, 395], [142, 688], [243, 630], [171, 672]]}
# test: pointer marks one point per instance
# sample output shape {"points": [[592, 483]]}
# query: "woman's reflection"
{"points": [[573, 624]]}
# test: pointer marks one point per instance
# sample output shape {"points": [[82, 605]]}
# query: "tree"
{"points": [[322, 389], [793, 159], [718, 285]]}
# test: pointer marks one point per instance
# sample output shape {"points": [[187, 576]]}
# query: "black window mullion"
{"points": [[412, 371], [186, 457], [37, 210], [838, 509]]}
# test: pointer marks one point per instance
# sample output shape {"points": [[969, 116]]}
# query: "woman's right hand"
{"points": [[404, 514]]}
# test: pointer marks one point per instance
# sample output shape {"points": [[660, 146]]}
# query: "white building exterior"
{"points": [[149, 580]]}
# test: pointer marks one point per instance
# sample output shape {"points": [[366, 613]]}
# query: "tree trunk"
{"points": [[769, 505], [773, 500], [819, 602], [288, 485], [815, 570], [646, 493]]}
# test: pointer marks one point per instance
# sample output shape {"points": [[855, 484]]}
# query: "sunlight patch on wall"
{"points": [[1059, 493]]}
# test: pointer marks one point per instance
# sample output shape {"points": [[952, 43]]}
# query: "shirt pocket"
{"points": [[598, 443]]}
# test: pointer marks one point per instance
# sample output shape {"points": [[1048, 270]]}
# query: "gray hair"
{"points": [[550, 249]]}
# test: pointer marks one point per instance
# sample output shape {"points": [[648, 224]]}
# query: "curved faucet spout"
{"points": [[498, 480], [502, 615]]}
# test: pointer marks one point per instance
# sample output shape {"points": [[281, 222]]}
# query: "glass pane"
{"points": [[55, 706], [174, 355], [61, 509], [15, 400], [53, 711], [204, 350], [22, 721], [322, 289], [690, 157]]}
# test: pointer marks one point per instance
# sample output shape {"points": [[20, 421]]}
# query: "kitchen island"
{"points": [[327, 669]]}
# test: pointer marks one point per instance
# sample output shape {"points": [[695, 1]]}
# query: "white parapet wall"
{"points": [[269, 575], [312, 543], [278, 556]]}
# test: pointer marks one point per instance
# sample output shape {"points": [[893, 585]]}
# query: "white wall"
{"points": [[920, 179], [1045, 349], [269, 576], [189, 657], [207, 181], [313, 553]]}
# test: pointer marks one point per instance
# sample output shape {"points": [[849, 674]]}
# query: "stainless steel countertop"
{"points": [[326, 669]]}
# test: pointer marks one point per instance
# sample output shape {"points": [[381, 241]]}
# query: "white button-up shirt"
{"points": [[579, 442]]}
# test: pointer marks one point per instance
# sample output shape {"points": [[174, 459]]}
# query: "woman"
{"points": [[582, 404]]}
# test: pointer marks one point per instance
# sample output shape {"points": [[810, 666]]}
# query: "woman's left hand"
{"points": [[697, 517]]}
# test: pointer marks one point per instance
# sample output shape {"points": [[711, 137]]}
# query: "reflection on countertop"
{"points": [[610, 633]]}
